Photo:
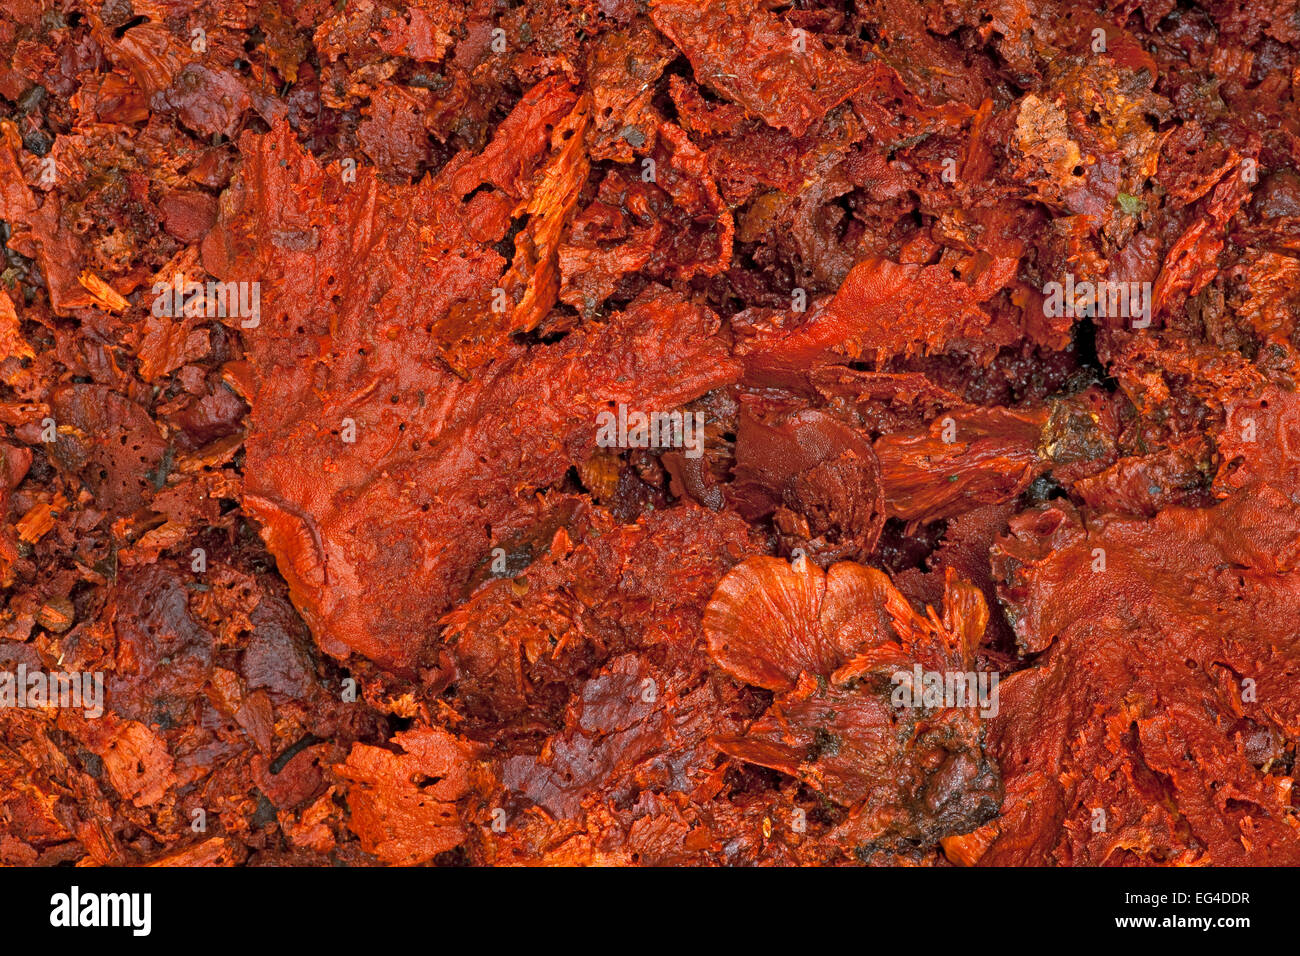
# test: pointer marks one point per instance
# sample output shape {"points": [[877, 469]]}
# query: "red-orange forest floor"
{"points": [[365, 581]]}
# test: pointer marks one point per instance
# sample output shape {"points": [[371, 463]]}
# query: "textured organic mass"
{"points": [[690, 432]]}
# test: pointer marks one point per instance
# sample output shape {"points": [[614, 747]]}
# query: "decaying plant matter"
{"points": [[966, 336]]}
